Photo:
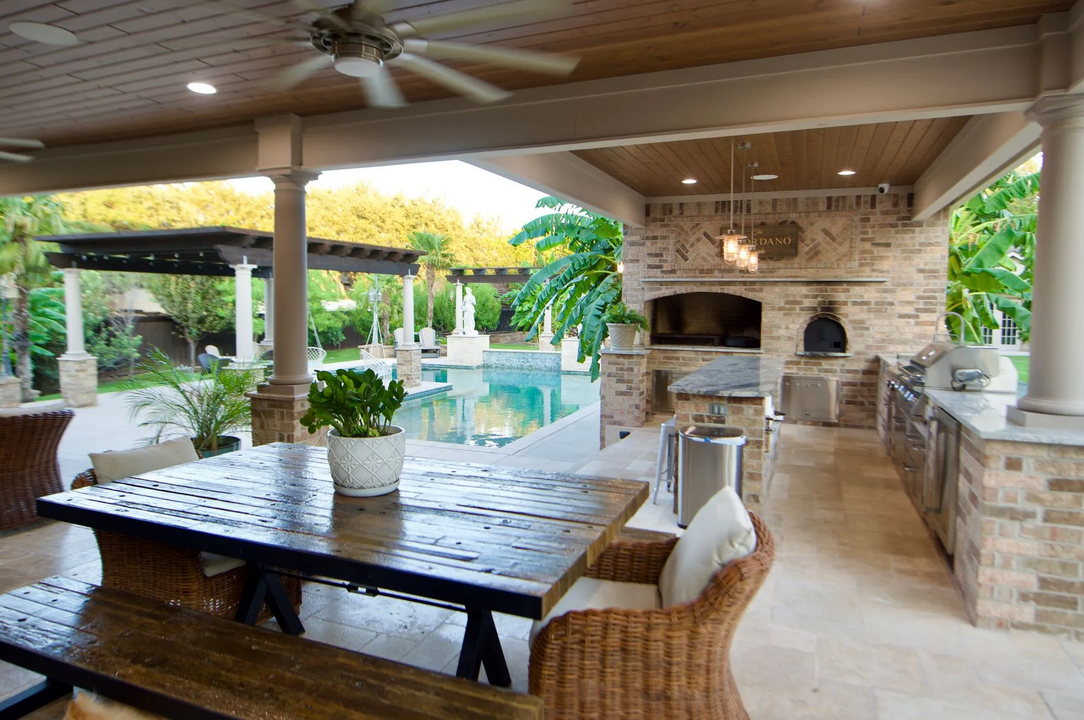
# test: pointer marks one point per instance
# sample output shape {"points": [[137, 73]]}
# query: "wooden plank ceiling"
{"points": [[895, 153], [127, 77]]}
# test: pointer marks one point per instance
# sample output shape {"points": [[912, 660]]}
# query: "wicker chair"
{"points": [[667, 663], [172, 574], [28, 464]]}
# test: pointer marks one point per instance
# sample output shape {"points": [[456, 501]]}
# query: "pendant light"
{"points": [[730, 240], [743, 249], [753, 264]]}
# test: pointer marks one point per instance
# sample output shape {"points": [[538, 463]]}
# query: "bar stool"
{"points": [[667, 455]]}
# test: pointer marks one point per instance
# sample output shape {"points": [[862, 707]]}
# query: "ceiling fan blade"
{"points": [[520, 9], [461, 83], [381, 90], [293, 76], [16, 142], [540, 62], [315, 7], [15, 157]]}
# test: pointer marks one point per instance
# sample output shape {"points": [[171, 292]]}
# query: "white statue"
{"points": [[468, 313]]}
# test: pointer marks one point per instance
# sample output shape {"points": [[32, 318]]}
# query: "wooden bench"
{"points": [[185, 665]]}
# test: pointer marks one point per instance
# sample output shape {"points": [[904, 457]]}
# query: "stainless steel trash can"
{"points": [[709, 459]]}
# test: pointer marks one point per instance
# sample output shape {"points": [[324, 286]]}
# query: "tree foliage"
{"points": [[195, 303], [580, 285], [438, 256], [991, 255]]}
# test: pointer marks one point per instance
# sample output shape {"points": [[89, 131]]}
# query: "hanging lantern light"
{"points": [[743, 257], [754, 262], [731, 239]]}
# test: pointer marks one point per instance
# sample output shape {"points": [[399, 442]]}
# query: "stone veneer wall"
{"points": [[845, 236], [522, 360], [276, 418], [1020, 535], [624, 390]]}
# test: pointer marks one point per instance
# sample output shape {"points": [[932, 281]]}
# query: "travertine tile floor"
{"points": [[858, 621]]}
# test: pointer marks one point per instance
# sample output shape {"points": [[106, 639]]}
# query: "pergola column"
{"points": [[242, 279], [78, 370], [277, 407], [268, 311], [1056, 384], [458, 308], [408, 355]]}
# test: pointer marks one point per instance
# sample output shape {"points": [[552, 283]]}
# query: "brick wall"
{"points": [[1020, 535], [625, 382], [847, 236]]}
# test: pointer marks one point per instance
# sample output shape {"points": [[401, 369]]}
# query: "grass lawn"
{"points": [[1021, 363], [344, 355]]}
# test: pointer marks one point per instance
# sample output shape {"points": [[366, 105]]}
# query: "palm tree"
{"points": [[581, 284], [21, 220], [438, 256]]}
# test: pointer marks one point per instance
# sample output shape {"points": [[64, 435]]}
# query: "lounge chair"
{"points": [[29, 438]]}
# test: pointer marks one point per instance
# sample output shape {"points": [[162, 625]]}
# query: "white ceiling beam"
{"points": [[572, 179], [986, 148]]}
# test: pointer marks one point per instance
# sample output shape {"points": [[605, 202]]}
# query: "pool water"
{"points": [[493, 407]]}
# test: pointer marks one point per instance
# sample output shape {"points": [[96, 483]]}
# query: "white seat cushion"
{"points": [[110, 466], [592, 594], [217, 564], [34, 408], [720, 532]]}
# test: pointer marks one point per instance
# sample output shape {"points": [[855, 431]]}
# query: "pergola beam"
{"points": [[166, 266], [258, 256]]}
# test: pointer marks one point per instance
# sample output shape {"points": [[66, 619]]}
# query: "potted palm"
{"points": [[622, 324], [205, 408], [365, 451]]}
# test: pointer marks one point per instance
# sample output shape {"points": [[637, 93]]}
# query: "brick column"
{"points": [[276, 418], [624, 389], [408, 362]]}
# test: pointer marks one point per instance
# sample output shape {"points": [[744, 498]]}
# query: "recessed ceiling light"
{"points": [[40, 32], [202, 88], [766, 176], [847, 172], [689, 181]]}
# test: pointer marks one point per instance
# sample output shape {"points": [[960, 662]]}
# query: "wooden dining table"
{"points": [[478, 538]]}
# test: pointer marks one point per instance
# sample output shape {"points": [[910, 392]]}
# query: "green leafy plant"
{"points": [[198, 304], [204, 409], [438, 256], [619, 314], [356, 405]]}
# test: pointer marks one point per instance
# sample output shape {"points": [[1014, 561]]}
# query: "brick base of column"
{"points": [[10, 392], [409, 366], [624, 389], [276, 417], [78, 380]]}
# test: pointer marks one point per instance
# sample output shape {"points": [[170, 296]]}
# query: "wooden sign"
{"points": [[776, 241]]}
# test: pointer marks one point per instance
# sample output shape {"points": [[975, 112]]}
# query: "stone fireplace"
{"points": [[711, 319]]}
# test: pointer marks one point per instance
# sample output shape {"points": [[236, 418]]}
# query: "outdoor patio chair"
{"points": [[178, 576], [654, 662], [316, 356], [212, 350], [397, 333], [207, 362], [29, 438], [428, 340]]}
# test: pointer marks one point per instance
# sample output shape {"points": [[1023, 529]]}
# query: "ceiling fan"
{"points": [[19, 157], [359, 43]]}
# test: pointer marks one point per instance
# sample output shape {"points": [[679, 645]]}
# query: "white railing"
{"points": [[372, 362]]}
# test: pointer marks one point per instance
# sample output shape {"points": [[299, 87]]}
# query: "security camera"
{"points": [[883, 188]]}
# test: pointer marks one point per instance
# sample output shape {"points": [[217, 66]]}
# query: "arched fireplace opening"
{"points": [[824, 335], [705, 318]]}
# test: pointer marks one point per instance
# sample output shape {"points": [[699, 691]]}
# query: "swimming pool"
{"points": [[493, 407]]}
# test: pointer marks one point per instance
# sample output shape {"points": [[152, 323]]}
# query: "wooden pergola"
{"points": [[491, 275]]}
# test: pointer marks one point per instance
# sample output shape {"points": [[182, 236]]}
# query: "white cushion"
{"points": [[720, 532], [593, 594], [217, 564], [110, 466], [34, 408]]}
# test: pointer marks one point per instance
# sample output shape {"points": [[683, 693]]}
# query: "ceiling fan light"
{"points": [[358, 67]]}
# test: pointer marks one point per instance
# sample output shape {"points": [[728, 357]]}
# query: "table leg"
{"points": [[482, 647], [262, 586], [33, 698]]}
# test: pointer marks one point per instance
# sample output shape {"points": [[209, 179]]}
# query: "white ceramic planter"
{"points": [[622, 337], [365, 467]]}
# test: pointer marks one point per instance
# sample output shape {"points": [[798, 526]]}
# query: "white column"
{"points": [[458, 308], [408, 310], [1056, 380], [73, 313], [269, 311], [547, 321], [242, 282], [291, 289]]}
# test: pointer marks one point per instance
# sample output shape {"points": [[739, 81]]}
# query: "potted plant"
{"points": [[364, 449], [206, 408], [622, 324]]}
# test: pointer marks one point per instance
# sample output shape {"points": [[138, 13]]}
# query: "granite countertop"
{"points": [[984, 414], [733, 377]]}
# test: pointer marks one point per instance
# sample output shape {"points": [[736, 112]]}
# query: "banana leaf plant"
{"points": [[579, 285], [991, 255]]}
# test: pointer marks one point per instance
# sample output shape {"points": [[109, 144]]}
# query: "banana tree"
{"points": [[580, 284], [991, 251]]}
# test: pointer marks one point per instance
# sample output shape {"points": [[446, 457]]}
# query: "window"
{"points": [[1010, 333], [987, 336]]}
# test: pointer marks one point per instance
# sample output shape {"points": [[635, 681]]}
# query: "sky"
{"points": [[469, 189]]}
